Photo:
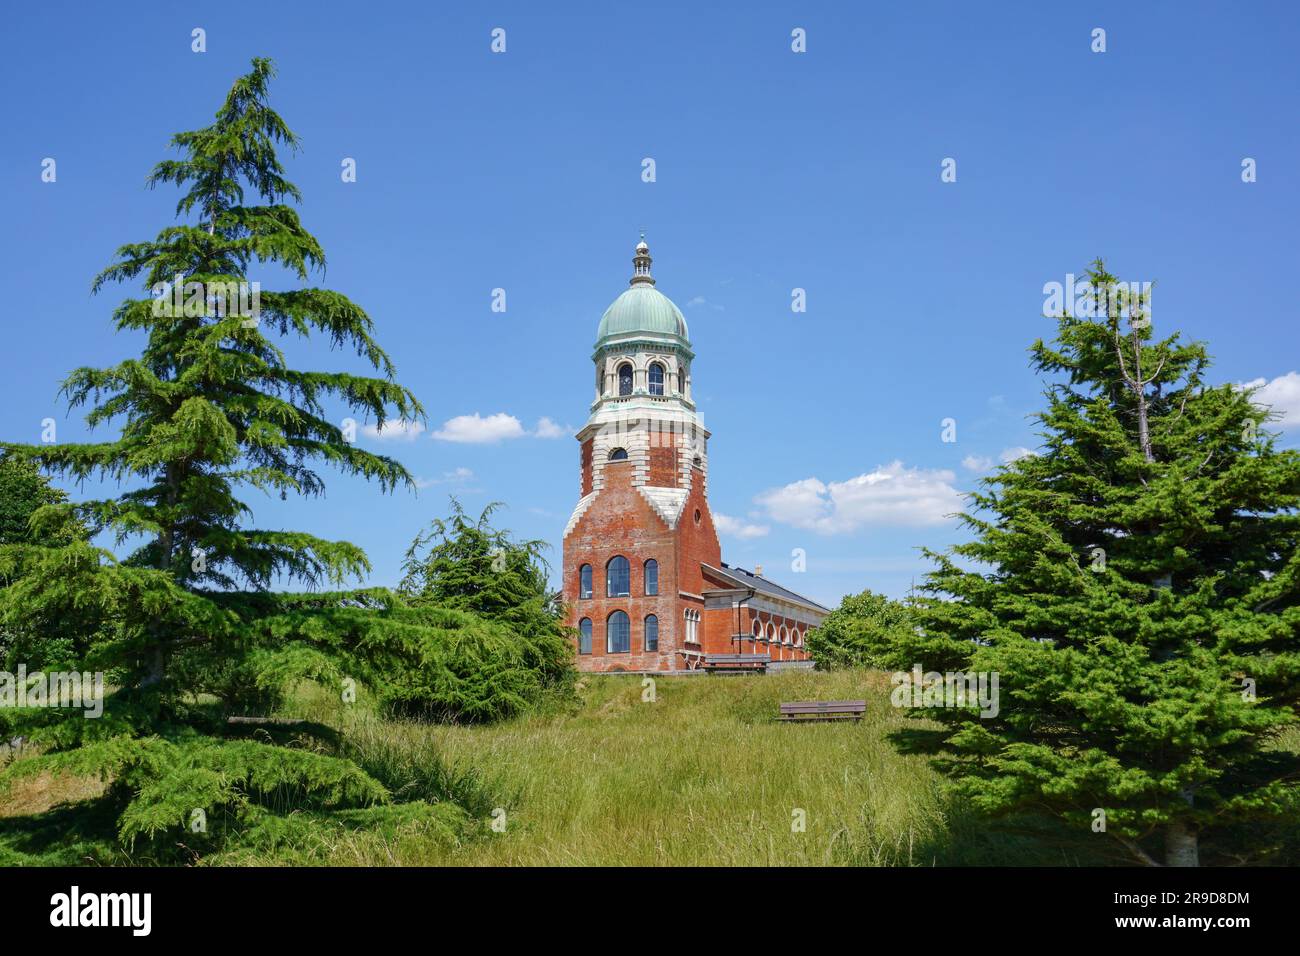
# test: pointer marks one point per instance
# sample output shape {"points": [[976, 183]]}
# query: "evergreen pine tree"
{"points": [[186, 625], [26, 529], [212, 405], [23, 492], [1136, 587]]}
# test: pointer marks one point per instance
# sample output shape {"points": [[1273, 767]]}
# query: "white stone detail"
{"points": [[578, 511], [667, 502]]}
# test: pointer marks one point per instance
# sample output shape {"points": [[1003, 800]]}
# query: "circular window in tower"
{"points": [[697, 515]]}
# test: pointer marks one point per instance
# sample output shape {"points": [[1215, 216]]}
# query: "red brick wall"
{"points": [[586, 468], [697, 541], [663, 466], [776, 646], [721, 627], [718, 626], [621, 521]]}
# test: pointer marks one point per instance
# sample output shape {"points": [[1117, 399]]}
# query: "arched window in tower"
{"points": [[618, 454], [584, 581], [651, 633], [618, 577], [656, 378], [625, 379], [584, 636], [652, 577], [618, 633]]}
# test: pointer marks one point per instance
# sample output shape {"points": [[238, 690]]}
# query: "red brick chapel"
{"points": [[644, 578]]}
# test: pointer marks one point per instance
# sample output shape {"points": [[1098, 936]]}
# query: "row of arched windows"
{"points": [[778, 635], [656, 378], [618, 578], [618, 634]]}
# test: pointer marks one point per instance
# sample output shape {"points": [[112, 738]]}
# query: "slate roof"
{"points": [[750, 580]]}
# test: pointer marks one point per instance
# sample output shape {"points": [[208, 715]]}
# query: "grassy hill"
{"points": [[702, 775]]}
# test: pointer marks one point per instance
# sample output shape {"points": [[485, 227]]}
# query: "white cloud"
{"points": [[890, 495], [1014, 454], [1282, 395], [546, 428], [737, 528], [977, 463], [394, 431], [801, 503], [477, 430], [458, 476], [701, 300]]}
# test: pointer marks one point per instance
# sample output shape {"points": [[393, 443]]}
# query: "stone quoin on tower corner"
{"points": [[644, 579]]}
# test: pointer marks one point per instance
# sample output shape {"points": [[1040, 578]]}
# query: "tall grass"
{"points": [[701, 775]]}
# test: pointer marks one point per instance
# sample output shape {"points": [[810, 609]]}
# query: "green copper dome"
{"points": [[642, 308]]}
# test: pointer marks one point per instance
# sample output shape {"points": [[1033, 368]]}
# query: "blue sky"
{"points": [[774, 170]]}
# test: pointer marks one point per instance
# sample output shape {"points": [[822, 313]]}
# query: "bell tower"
{"points": [[642, 513], [643, 410]]}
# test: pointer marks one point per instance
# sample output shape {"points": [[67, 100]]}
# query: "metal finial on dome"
{"points": [[641, 264]]}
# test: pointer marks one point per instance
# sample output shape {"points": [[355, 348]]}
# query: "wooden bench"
{"points": [[809, 710], [736, 663]]}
